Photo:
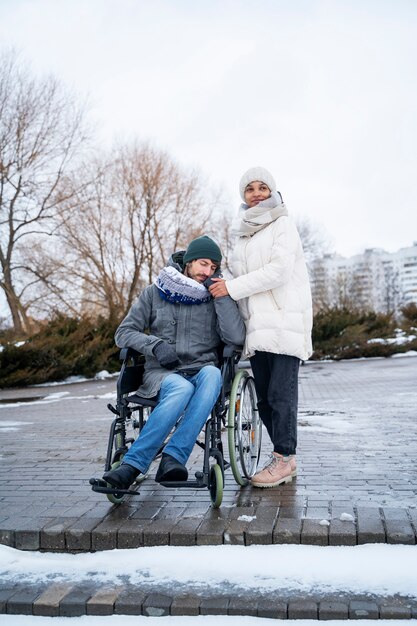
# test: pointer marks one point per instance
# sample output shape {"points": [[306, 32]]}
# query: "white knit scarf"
{"points": [[251, 220], [176, 287]]}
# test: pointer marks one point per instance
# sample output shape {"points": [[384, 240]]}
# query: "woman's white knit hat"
{"points": [[256, 173]]}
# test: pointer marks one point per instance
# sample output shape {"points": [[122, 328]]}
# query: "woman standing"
{"points": [[272, 288]]}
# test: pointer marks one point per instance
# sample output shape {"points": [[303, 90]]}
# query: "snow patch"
{"points": [[334, 569]]}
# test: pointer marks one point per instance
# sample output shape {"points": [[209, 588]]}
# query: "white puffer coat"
{"points": [[273, 290]]}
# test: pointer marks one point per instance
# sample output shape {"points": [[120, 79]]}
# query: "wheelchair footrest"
{"points": [[192, 484], [100, 486]]}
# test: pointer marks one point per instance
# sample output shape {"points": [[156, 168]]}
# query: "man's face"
{"points": [[200, 269]]}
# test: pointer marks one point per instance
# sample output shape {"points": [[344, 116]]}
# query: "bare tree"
{"points": [[392, 294], [41, 132], [314, 238], [134, 209]]}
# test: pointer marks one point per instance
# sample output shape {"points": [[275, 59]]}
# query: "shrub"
{"points": [[63, 347], [409, 313], [339, 333]]}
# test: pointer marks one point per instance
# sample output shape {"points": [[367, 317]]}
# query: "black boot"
{"points": [[170, 470], [121, 477]]}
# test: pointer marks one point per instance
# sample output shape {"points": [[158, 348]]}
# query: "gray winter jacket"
{"points": [[194, 330]]}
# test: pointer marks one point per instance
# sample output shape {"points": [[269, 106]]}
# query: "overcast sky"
{"points": [[321, 92]]}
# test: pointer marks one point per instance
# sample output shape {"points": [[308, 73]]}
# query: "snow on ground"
{"points": [[202, 620], [59, 397], [356, 569]]}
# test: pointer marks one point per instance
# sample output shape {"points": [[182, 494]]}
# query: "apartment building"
{"points": [[376, 279]]}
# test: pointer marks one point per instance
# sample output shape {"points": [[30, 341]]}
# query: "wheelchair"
{"points": [[235, 412]]}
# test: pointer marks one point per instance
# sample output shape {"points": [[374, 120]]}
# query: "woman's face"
{"points": [[255, 192]]}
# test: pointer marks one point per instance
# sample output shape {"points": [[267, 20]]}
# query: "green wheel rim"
{"points": [[231, 429], [216, 485]]}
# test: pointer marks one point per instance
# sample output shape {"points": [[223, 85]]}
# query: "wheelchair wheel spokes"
{"points": [[248, 428]]}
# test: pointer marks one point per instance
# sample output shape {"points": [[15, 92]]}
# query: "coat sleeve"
{"points": [[230, 324], [274, 273], [131, 332]]}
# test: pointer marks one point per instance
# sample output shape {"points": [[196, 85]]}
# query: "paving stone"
{"points": [[156, 605], [48, 602], [188, 604], [78, 534], [287, 530], [400, 532], [243, 606], [342, 533], [333, 610], [313, 533], [130, 534], [104, 536], [259, 531], [52, 537], [272, 608], [370, 526], [184, 532], [5, 594], [74, 603], [102, 602], [363, 610], [6, 534], [210, 532], [387, 611], [234, 533], [157, 532], [129, 602], [21, 602], [302, 609], [214, 606], [27, 534]]}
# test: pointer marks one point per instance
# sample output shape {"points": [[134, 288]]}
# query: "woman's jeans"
{"points": [[276, 382], [190, 396]]}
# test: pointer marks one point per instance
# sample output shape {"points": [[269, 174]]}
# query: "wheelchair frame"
{"points": [[236, 409]]}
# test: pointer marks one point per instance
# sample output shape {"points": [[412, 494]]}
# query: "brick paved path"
{"points": [[356, 455]]}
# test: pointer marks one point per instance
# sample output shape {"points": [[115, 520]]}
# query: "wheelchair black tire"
{"points": [[216, 485], [113, 497]]}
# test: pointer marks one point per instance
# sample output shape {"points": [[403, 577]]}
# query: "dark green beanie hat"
{"points": [[203, 248]]}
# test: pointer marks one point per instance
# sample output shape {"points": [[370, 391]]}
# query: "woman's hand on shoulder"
{"points": [[218, 289]]}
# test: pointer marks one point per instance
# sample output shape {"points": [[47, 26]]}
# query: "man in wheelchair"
{"points": [[177, 325]]}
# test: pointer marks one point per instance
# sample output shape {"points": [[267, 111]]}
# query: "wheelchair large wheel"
{"points": [[216, 485], [244, 428]]}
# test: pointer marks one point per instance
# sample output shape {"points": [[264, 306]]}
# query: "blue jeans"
{"points": [[276, 382], [193, 397]]}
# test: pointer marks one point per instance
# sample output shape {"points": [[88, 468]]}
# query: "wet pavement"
{"points": [[356, 483]]}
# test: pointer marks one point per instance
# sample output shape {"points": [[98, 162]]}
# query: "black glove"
{"points": [[208, 282], [166, 355]]}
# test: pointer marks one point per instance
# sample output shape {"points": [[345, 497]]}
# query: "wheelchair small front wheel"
{"points": [[114, 498], [216, 485]]}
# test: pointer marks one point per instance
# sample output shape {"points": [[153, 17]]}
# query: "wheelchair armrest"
{"points": [[126, 353], [230, 350]]}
